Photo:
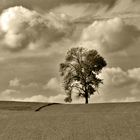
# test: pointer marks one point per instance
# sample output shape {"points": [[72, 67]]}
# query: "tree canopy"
{"points": [[80, 72]]}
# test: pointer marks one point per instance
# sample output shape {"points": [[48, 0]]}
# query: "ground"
{"points": [[109, 121]]}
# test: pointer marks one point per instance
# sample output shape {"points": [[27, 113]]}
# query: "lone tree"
{"points": [[80, 72]]}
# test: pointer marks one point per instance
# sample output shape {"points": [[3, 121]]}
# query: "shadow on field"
{"points": [[49, 104]]}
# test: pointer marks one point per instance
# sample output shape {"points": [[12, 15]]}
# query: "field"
{"points": [[110, 121]]}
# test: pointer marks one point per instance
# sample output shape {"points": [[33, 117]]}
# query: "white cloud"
{"points": [[41, 98], [52, 84], [118, 77], [26, 89], [17, 83], [115, 76], [109, 35], [8, 94], [14, 83], [36, 98], [134, 73], [59, 98], [119, 85], [22, 28], [127, 99]]}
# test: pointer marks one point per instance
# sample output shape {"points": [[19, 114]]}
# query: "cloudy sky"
{"points": [[36, 34]]}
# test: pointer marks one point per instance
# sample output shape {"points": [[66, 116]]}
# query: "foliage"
{"points": [[80, 72]]}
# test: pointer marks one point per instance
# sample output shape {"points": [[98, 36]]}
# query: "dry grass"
{"points": [[118, 121]]}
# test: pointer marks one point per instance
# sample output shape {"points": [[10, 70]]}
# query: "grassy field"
{"points": [[112, 121]]}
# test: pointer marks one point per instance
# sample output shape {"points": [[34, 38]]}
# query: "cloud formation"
{"points": [[118, 77], [14, 83], [134, 74], [22, 28], [8, 94], [110, 35], [52, 84], [47, 5], [40, 98], [17, 83], [58, 98], [115, 76], [120, 85]]}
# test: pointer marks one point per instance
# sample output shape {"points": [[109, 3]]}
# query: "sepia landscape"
{"points": [[69, 70]]}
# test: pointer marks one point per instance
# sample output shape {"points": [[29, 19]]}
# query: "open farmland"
{"points": [[110, 121]]}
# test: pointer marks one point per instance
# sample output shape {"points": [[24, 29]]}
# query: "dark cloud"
{"points": [[49, 4]]}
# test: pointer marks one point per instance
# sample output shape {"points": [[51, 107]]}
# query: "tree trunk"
{"points": [[86, 96], [86, 100]]}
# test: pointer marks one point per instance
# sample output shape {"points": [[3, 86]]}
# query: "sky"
{"points": [[35, 36]]}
